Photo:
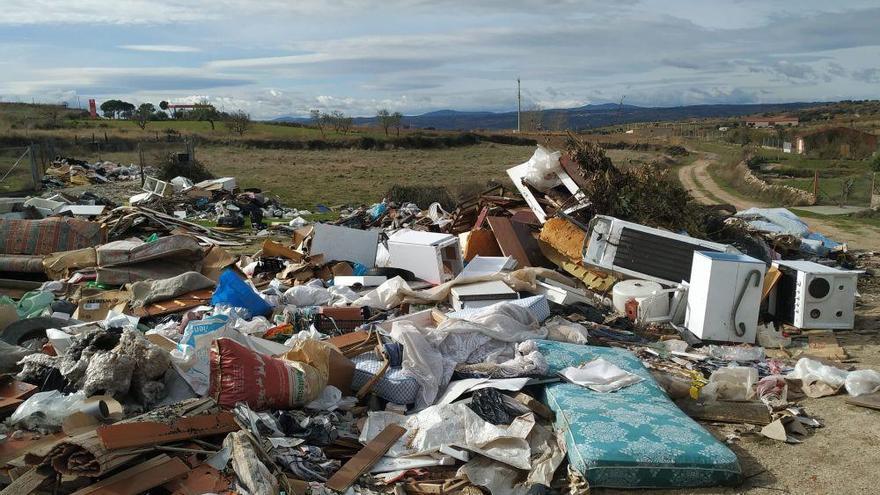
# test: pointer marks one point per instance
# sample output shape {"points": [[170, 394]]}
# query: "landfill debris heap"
{"points": [[545, 338]]}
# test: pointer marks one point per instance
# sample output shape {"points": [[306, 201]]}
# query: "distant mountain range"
{"points": [[585, 117]]}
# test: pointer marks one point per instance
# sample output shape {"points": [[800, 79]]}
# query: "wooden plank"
{"points": [[508, 240], [150, 474], [26, 483], [139, 434], [755, 413], [871, 401], [365, 459]]}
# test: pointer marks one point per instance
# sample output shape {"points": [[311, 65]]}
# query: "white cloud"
{"points": [[161, 48]]}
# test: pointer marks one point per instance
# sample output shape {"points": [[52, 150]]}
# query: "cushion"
{"points": [[635, 437], [396, 386]]}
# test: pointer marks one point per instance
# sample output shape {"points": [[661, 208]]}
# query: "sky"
{"points": [[273, 58]]}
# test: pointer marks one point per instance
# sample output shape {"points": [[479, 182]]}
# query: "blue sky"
{"points": [[277, 57]]}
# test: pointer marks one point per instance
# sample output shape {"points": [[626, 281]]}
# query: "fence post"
{"points": [[141, 160], [816, 185], [35, 171]]}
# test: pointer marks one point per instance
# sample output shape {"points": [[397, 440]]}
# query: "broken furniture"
{"points": [[434, 258], [544, 172], [23, 243]]}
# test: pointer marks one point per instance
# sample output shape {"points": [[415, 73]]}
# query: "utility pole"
{"points": [[518, 106]]}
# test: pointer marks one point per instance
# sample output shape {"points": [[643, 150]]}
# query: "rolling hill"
{"points": [[585, 117]]}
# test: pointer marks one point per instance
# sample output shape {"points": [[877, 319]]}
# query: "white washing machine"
{"points": [[724, 297]]}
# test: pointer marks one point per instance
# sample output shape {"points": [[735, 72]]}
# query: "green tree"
{"points": [[114, 109], [143, 114]]}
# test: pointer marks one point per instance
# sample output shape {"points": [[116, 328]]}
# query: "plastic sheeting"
{"points": [[455, 425], [783, 221], [491, 336]]}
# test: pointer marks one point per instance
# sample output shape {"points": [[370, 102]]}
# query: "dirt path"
{"points": [[696, 179]]}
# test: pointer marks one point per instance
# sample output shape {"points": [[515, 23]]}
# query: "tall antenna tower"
{"points": [[518, 106]]}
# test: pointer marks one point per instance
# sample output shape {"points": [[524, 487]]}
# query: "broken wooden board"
{"points": [[366, 458], [27, 483], [139, 434], [754, 413], [13, 393], [871, 401], [140, 478]]}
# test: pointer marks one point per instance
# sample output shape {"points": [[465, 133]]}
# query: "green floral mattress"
{"points": [[635, 437]]}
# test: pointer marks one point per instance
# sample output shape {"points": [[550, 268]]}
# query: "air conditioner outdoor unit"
{"points": [[637, 251], [814, 296]]}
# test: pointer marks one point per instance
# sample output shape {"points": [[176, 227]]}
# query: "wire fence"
{"points": [[16, 170]]}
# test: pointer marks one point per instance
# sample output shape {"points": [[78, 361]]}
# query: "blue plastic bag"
{"points": [[233, 291]]}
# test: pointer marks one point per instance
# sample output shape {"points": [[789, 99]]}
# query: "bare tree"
{"points": [[557, 121], [337, 118], [347, 122], [397, 121], [533, 119], [317, 119], [238, 122], [384, 119]]}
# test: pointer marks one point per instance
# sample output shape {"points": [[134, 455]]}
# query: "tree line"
{"points": [[238, 121], [343, 124]]}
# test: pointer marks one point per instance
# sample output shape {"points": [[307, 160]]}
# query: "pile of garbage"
{"points": [[525, 342], [66, 171], [217, 200]]}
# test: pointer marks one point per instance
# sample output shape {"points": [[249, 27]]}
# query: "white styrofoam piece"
{"points": [[345, 244]]}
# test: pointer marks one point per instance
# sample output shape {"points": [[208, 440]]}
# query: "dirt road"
{"points": [[696, 179]]}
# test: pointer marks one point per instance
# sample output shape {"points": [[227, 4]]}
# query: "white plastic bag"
{"points": [[47, 408], [542, 169], [861, 382], [810, 370]]}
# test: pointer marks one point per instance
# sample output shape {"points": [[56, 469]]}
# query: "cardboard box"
{"points": [[341, 372], [95, 307]]}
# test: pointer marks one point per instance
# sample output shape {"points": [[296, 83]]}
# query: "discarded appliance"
{"points": [[814, 296], [725, 297], [638, 251], [651, 300], [434, 258], [345, 244], [480, 294], [544, 172]]}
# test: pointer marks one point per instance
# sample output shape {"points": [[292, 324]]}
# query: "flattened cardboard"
{"points": [[96, 306]]}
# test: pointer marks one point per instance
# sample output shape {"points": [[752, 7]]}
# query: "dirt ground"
{"points": [[696, 179], [842, 457]]}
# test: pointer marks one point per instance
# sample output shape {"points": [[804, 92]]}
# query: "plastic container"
{"points": [[642, 291], [734, 382]]}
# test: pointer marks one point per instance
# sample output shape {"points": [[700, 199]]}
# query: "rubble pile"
{"points": [[566, 334]]}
